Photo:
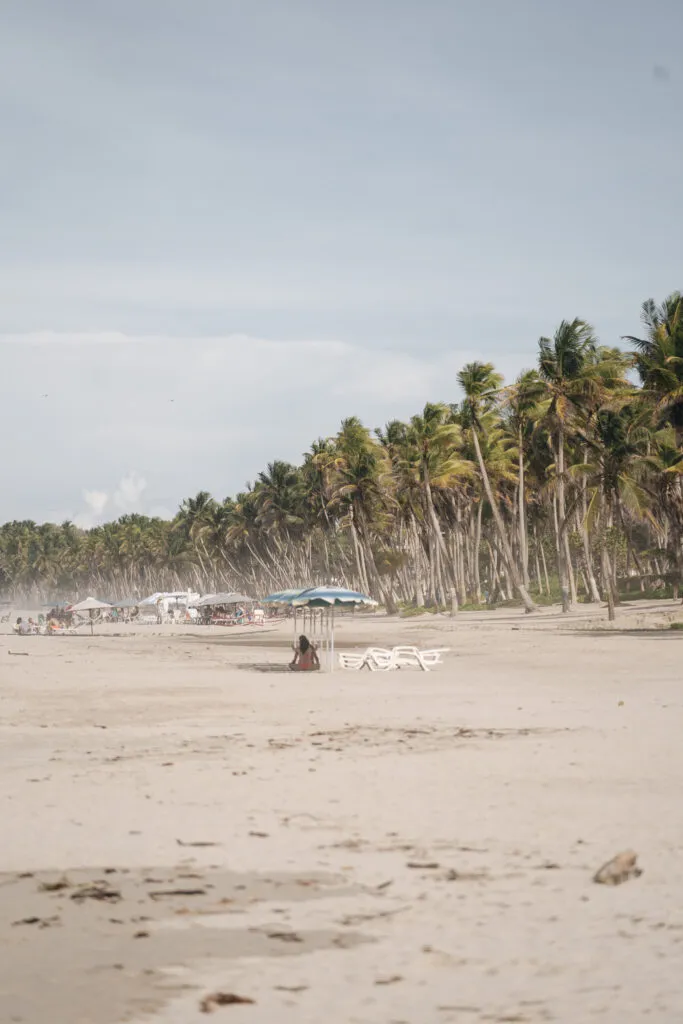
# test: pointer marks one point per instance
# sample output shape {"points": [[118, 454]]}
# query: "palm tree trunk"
{"points": [[545, 570], [359, 559], [593, 586], [560, 511], [477, 553], [517, 581], [607, 583], [570, 567], [523, 541], [539, 581]]}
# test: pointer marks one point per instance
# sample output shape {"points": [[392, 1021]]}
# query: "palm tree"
{"points": [[279, 495], [434, 438], [665, 464], [616, 444], [659, 359], [361, 473], [570, 458], [194, 520], [480, 382], [524, 405], [576, 374]]}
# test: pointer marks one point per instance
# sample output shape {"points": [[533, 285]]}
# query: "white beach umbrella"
{"points": [[91, 604]]}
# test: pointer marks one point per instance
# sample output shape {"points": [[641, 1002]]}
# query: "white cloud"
{"points": [[128, 494], [127, 497], [191, 413], [57, 338], [96, 502]]}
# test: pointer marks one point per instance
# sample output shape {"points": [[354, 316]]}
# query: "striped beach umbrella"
{"points": [[328, 597], [325, 597], [282, 597]]}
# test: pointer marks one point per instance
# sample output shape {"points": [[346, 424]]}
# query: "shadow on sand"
{"points": [[263, 666]]}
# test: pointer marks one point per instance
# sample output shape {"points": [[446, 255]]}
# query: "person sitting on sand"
{"points": [[305, 657]]}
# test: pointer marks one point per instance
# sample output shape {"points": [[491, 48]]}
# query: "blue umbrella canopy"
{"points": [[282, 597], [326, 597]]}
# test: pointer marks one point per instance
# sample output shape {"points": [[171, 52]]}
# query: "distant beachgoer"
{"points": [[305, 657]]}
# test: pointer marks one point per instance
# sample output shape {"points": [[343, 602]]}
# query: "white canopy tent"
{"points": [[210, 600], [165, 600]]}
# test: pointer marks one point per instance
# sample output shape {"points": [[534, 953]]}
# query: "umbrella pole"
{"points": [[331, 624]]}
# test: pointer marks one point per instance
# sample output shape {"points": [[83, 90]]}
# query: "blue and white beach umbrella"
{"points": [[325, 597], [328, 597], [282, 597]]}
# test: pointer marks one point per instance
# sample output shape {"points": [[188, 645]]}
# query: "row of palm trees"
{"points": [[566, 484]]}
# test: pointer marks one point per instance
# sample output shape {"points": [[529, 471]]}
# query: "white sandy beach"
{"points": [[381, 848]]}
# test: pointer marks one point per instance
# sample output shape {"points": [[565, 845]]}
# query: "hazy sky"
{"points": [[227, 224]]}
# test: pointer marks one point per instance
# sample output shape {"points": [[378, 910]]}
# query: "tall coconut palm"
{"points": [[659, 359], [480, 383], [524, 402], [616, 443], [434, 439], [572, 375], [361, 474], [665, 464]]}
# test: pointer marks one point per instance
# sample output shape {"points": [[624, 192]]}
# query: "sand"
{"points": [[402, 847]]}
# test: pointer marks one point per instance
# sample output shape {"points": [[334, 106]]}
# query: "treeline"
{"points": [[565, 484]]}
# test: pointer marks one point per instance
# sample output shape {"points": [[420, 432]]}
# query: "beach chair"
{"points": [[434, 655], [380, 659], [375, 659], [351, 661], [413, 657]]}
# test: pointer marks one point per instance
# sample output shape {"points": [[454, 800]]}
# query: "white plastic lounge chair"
{"points": [[352, 662], [409, 657], [376, 659], [379, 659]]}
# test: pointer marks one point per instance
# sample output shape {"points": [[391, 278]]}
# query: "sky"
{"points": [[225, 225]]}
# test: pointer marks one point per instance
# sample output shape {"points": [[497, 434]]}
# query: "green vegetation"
{"points": [[565, 485]]}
